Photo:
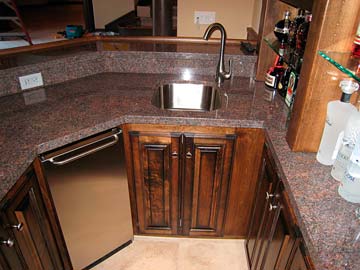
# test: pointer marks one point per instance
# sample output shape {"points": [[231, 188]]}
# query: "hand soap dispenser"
{"points": [[338, 112]]}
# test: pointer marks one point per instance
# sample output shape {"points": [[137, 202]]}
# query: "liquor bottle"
{"points": [[282, 28], [274, 74], [356, 45], [291, 88], [283, 84], [301, 34], [299, 19], [337, 115]]}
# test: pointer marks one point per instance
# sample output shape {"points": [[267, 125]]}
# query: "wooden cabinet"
{"points": [[180, 181], [273, 237], [300, 260], [156, 173], [25, 223], [207, 164]]}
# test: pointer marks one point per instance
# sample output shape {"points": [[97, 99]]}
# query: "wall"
{"points": [[235, 15], [106, 11], [256, 15]]}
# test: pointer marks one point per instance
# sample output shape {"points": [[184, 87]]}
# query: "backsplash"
{"points": [[90, 63]]}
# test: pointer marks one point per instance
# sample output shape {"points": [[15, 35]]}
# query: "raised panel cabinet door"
{"points": [[207, 166], [156, 175], [280, 241], [259, 224], [26, 215], [299, 261], [9, 250]]}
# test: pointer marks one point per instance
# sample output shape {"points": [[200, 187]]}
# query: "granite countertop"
{"points": [[43, 119]]}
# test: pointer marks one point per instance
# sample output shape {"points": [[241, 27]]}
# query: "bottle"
{"points": [[301, 34], [337, 115], [291, 88], [299, 19], [356, 46], [345, 145], [349, 187], [282, 28], [274, 74], [283, 84]]}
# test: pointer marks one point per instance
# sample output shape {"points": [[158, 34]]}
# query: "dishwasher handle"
{"points": [[85, 153]]}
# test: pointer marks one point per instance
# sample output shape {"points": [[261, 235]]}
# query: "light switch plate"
{"points": [[204, 17], [31, 81]]}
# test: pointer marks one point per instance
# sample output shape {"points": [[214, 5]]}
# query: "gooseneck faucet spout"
{"points": [[221, 73]]}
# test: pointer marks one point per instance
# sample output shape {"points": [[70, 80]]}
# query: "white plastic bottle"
{"points": [[349, 187], [345, 145], [338, 113]]}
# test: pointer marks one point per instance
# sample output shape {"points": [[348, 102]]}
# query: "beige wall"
{"points": [[235, 15], [256, 15], [106, 11]]}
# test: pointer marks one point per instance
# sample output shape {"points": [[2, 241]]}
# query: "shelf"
{"points": [[345, 62], [274, 44], [304, 4]]}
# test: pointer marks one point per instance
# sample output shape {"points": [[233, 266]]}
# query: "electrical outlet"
{"points": [[204, 17], [31, 81]]}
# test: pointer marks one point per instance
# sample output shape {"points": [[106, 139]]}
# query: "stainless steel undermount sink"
{"points": [[187, 96]]}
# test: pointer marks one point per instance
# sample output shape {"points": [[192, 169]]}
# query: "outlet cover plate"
{"points": [[204, 17], [31, 81]]}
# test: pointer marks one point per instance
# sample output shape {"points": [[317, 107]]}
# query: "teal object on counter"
{"points": [[74, 31]]}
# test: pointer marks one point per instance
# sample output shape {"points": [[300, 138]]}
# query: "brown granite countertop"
{"points": [[43, 119]]}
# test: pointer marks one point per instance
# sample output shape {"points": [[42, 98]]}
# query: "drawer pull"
{"points": [[188, 155], [8, 243], [174, 154], [269, 195], [272, 207], [19, 227]]}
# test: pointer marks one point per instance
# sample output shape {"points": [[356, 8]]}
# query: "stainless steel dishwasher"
{"points": [[89, 188]]}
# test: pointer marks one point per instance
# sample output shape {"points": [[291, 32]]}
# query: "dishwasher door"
{"points": [[89, 187]]}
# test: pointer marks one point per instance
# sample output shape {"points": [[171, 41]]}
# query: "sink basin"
{"points": [[187, 96]]}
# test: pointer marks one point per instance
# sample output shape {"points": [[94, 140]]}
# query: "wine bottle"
{"points": [[274, 74], [282, 28]]}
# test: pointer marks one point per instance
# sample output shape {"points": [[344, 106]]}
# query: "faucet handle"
{"points": [[227, 75]]}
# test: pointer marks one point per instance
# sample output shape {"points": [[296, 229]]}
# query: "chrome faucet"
{"points": [[221, 73]]}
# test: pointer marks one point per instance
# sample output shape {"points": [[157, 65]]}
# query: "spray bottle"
{"points": [[338, 113]]}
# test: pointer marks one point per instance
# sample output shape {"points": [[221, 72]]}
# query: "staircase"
{"points": [[16, 27]]}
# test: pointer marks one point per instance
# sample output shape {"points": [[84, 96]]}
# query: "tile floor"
{"points": [[160, 253]]}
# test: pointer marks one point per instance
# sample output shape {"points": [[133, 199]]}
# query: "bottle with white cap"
{"points": [[345, 145], [349, 187], [338, 113]]}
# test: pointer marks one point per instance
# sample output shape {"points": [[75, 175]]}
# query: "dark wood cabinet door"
{"points": [[207, 166], [35, 239], [9, 254], [299, 262], [261, 216], [156, 175], [280, 241]]}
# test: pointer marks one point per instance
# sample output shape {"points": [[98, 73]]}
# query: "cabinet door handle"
{"points": [[19, 227], [188, 155], [272, 207], [174, 154], [269, 195], [9, 242]]}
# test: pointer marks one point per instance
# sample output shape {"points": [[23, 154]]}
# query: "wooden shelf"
{"points": [[303, 4]]}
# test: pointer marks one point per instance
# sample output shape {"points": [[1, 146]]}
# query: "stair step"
{"points": [[12, 34]]}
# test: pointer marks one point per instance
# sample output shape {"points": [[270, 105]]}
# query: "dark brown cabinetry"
{"points": [[180, 181], [26, 228], [273, 237], [156, 175]]}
